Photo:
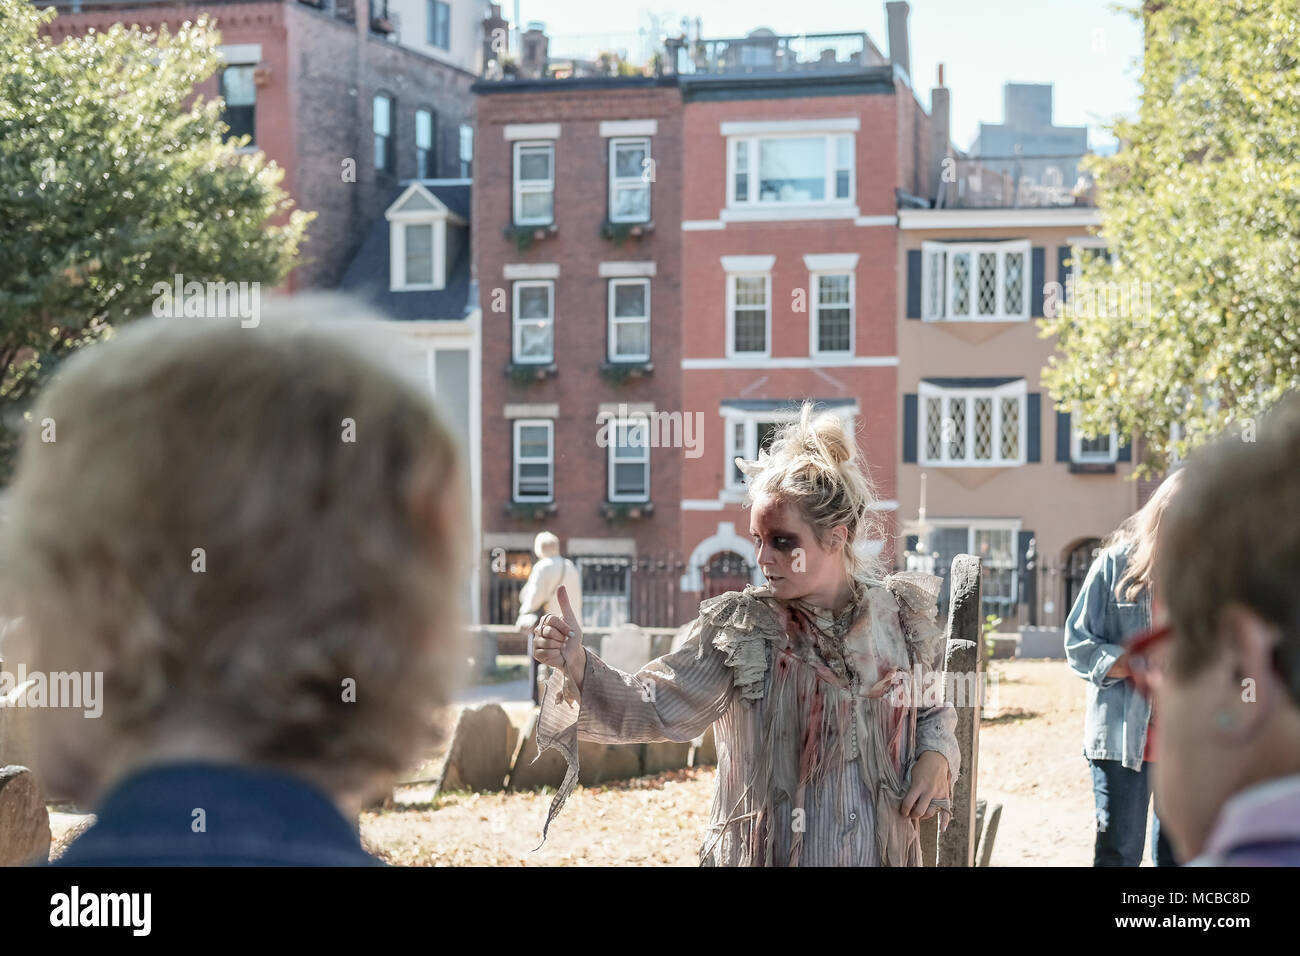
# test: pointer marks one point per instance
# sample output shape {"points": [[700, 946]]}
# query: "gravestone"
{"points": [[527, 772], [480, 752], [24, 821], [956, 845], [627, 648]]}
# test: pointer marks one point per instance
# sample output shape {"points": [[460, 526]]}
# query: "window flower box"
{"points": [[626, 510], [619, 232], [620, 373], [524, 236], [525, 374], [531, 510]]}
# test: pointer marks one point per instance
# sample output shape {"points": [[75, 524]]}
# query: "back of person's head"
{"points": [[546, 545], [813, 465], [257, 535], [1228, 698], [1232, 537]]}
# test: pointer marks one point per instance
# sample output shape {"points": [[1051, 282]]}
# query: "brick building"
{"points": [[345, 110], [577, 252], [691, 253]]}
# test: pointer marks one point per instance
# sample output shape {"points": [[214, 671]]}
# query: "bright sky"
{"points": [[1087, 48]]}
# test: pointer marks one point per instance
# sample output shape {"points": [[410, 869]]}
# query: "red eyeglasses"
{"points": [[1147, 654]]}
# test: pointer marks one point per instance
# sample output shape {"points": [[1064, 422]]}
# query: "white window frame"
{"points": [[398, 220], [927, 390], [612, 459], [814, 313], [516, 459], [639, 181], [520, 189], [732, 276], [749, 421], [427, 147], [390, 153], [751, 199], [615, 321], [990, 524], [1080, 457], [936, 308], [516, 338]]}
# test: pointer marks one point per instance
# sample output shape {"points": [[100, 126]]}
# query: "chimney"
{"points": [[496, 38], [940, 138], [899, 51], [534, 53]]}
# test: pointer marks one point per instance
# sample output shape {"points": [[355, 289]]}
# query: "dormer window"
{"points": [[417, 224]]}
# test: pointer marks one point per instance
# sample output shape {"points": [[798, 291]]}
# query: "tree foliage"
{"points": [[115, 176], [1201, 209]]}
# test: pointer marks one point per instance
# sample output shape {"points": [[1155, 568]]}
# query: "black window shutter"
{"points": [[909, 428], [1028, 576], [909, 543], [1062, 270], [1063, 436], [1034, 425], [1124, 452], [1038, 273], [913, 283]]}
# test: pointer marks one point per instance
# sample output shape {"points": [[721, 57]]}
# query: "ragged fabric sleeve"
{"points": [[675, 697], [917, 594]]}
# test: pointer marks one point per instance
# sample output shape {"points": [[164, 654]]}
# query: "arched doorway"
{"points": [[725, 571], [1076, 563]]}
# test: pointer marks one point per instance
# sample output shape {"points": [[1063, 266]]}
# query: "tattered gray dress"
{"points": [[817, 721]]}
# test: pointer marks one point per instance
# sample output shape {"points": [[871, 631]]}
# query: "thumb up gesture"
{"points": [[558, 640]]}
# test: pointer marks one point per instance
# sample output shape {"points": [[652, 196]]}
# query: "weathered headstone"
{"points": [[627, 649], [704, 751], [481, 748], [962, 658], [24, 820], [668, 755], [527, 772]]}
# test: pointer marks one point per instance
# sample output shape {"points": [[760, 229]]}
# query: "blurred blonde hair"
{"points": [[1140, 532], [813, 464], [327, 560]]}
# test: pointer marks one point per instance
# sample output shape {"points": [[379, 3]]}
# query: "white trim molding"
{"points": [[996, 218], [702, 225], [551, 410], [857, 361], [748, 263], [514, 131], [648, 127], [530, 270], [876, 220], [831, 262], [845, 124], [778, 212], [724, 539], [626, 270], [240, 54]]}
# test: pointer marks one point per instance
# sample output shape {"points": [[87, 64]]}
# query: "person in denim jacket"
{"points": [[1113, 605]]}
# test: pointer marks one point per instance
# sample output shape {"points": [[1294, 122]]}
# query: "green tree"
{"points": [[1194, 324], [113, 177]]}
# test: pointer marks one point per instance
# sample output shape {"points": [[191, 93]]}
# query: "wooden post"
{"points": [[963, 673]]}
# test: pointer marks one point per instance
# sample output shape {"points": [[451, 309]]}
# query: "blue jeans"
{"points": [[1123, 797]]}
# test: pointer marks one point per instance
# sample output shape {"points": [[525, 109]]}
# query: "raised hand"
{"points": [[558, 640]]}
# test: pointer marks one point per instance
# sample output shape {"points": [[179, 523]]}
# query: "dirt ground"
{"points": [[1030, 761]]}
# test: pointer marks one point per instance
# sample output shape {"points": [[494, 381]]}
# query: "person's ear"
{"points": [[1253, 689]]}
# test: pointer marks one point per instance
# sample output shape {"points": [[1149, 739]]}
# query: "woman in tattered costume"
{"points": [[828, 752]]}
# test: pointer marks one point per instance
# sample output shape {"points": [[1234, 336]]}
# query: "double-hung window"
{"points": [[746, 436], [749, 305], [832, 313], [534, 181], [440, 24], [629, 460], [382, 122], [629, 320], [975, 281], [534, 322], [534, 460], [993, 541], [973, 426], [791, 169], [1102, 450], [629, 179], [426, 158], [239, 96]]}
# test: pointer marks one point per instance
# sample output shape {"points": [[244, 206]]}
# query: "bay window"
{"points": [[975, 281]]}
